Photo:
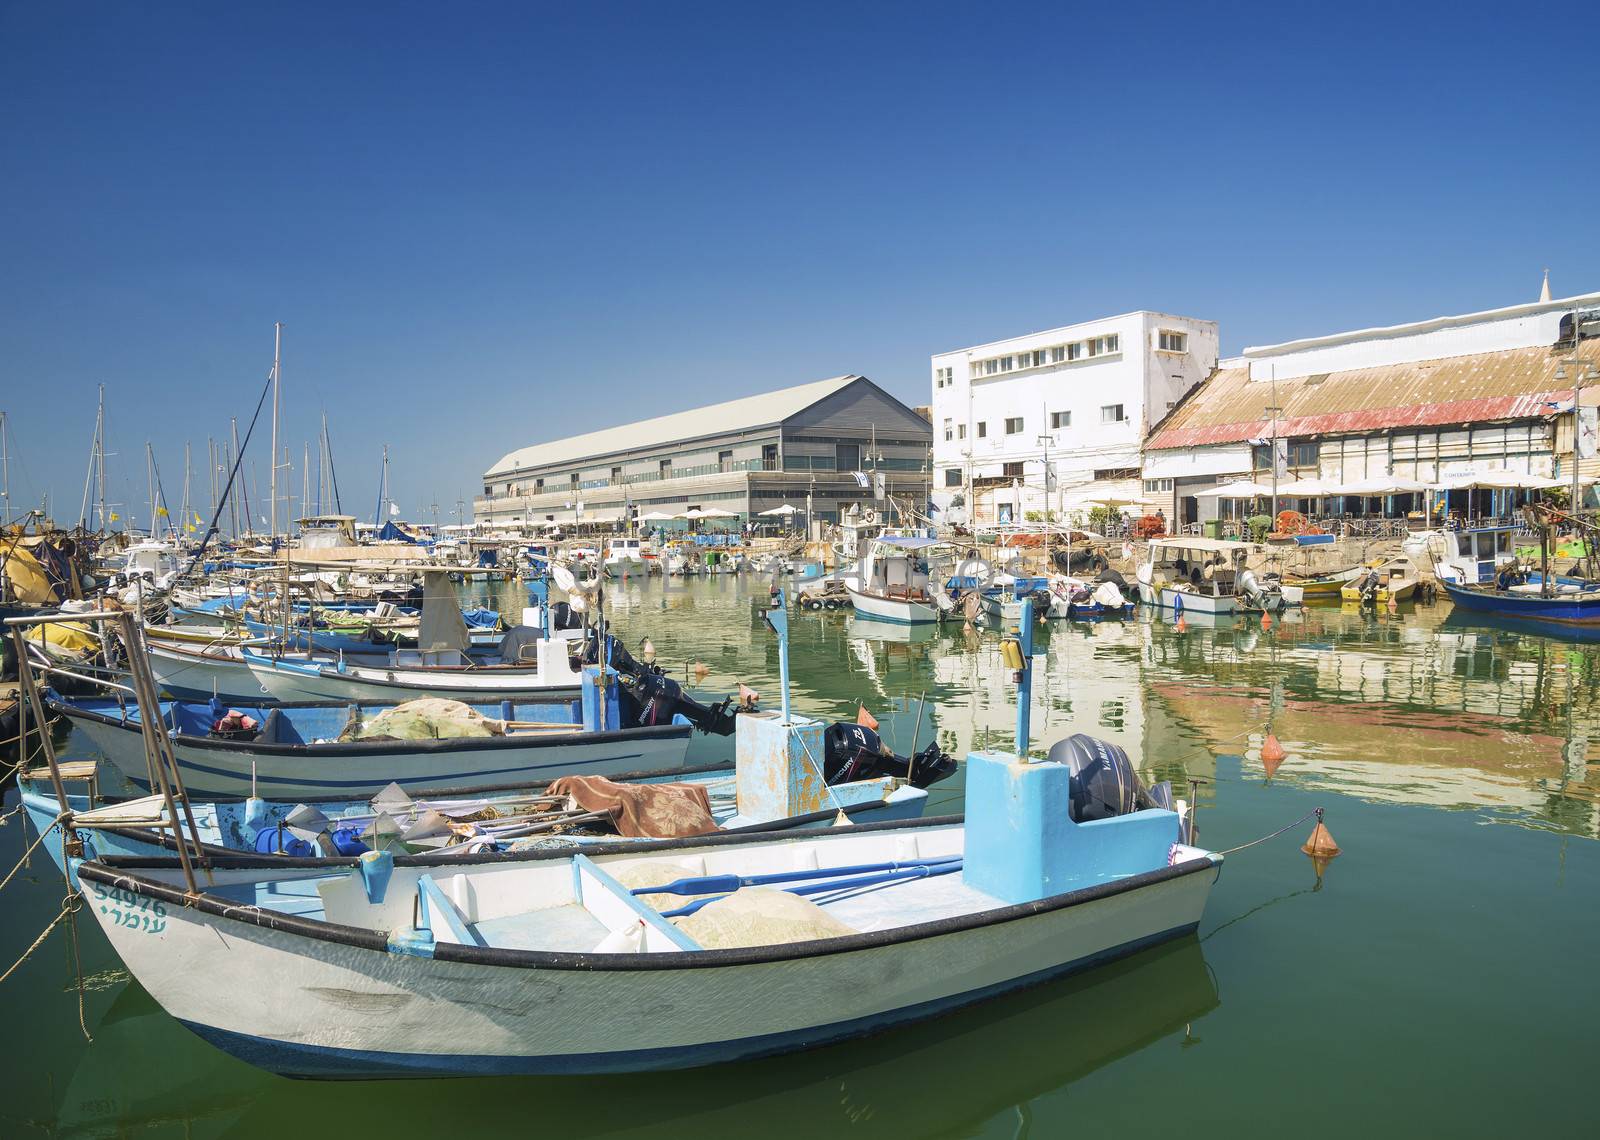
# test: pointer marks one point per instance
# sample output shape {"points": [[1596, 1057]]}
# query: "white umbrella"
{"points": [[1498, 478], [786, 510], [1380, 485], [717, 513], [1304, 489], [1242, 489], [656, 516], [692, 513]]}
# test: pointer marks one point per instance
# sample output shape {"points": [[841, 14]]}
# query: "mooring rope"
{"points": [[1313, 812], [32, 847], [67, 908]]}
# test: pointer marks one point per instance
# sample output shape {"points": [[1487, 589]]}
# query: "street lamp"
{"points": [[1273, 412], [1583, 372], [1048, 478]]}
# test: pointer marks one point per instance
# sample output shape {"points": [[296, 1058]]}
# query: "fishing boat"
{"points": [[895, 581], [1567, 603], [310, 749], [1004, 595], [1381, 584], [1082, 600], [624, 556], [1193, 575], [1324, 587], [1469, 555], [740, 946]]}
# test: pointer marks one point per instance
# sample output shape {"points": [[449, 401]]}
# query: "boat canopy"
{"points": [[1216, 545], [908, 541]]}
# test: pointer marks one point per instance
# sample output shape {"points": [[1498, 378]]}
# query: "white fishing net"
{"points": [[760, 916]]}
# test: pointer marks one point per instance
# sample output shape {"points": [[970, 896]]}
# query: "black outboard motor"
{"points": [[651, 697], [1103, 782], [854, 752], [1110, 575], [562, 616]]}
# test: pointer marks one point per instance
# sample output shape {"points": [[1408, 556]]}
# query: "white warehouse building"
{"points": [[1076, 401]]}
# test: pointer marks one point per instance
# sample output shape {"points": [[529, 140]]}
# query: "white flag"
{"points": [[394, 510]]}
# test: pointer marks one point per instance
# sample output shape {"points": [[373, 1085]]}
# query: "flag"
{"points": [[861, 479], [115, 516], [394, 510], [197, 519], [162, 511]]}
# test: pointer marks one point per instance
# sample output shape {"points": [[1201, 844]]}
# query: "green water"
{"points": [[1435, 981]]}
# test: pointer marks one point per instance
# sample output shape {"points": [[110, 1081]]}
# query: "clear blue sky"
{"points": [[488, 225]]}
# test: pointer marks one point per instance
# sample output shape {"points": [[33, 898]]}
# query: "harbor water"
{"points": [[1434, 980]]}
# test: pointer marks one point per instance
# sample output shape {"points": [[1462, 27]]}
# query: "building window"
{"points": [[664, 468], [961, 431], [1104, 345], [1111, 414], [1060, 419], [847, 457], [1303, 455], [952, 476], [1172, 341], [1012, 471], [1014, 425], [990, 367], [1075, 351], [724, 459], [943, 377], [1058, 354], [1153, 486], [538, 484], [983, 429], [574, 478], [1007, 363], [949, 430]]}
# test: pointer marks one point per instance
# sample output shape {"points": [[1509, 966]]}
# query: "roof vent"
{"points": [[1317, 379]]}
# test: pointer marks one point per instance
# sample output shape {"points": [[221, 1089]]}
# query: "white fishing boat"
{"points": [[1193, 575], [624, 556], [738, 947], [896, 584]]}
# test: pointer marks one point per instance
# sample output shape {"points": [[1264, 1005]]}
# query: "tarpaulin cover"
{"points": [[74, 637], [392, 533], [649, 811]]}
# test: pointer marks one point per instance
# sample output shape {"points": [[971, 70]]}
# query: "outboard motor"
{"points": [[652, 697], [854, 752], [1103, 782], [1367, 585]]}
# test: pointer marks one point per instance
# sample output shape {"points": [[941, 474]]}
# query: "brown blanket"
{"points": [[648, 811]]}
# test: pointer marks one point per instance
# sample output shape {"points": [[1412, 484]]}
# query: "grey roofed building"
{"points": [[743, 456]]}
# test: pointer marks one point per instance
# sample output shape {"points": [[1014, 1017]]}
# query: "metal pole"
{"points": [[277, 376], [1025, 686]]}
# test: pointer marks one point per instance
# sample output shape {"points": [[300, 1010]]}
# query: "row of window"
{"points": [[1109, 414], [952, 475], [1167, 340]]}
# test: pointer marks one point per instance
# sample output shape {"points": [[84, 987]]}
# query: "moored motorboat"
{"points": [[539, 963]]}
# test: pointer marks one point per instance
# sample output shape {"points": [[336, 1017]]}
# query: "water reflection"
{"points": [[1415, 707]]}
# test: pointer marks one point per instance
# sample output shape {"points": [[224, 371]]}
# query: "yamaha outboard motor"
{"points": [[854, 752], [1103, 782]]}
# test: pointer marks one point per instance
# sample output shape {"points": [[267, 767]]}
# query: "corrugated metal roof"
{"points": [[716, 419], [1512, 384]]}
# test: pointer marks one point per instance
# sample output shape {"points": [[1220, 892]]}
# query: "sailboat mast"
{"points": [[305, 478], [100, 451], [183, 512], [233, 503], [277, 376], [150, 477], [5, 473]]}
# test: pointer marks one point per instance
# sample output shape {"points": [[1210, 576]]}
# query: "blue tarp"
{"points": [[392, 533]]}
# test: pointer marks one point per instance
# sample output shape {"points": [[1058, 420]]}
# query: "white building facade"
{"points": [[1037, 426]]}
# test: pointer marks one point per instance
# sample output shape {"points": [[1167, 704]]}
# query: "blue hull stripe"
{"points": [[296, 1060], [433, 779]]}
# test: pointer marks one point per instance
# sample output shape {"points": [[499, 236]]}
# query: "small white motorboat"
{"points": [[895, 581]]}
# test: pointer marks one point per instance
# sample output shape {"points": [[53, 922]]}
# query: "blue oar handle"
{"points": [[717, 884], [905, 874]]}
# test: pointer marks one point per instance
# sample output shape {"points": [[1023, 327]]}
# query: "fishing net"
{"points": [[759, 916], [428, 719]]}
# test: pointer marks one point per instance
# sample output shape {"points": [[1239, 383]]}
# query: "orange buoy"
{"points": [[1183, 624], [1272, 755], [1321, 844], [1266, 621], [866, 719], [700, 670]]}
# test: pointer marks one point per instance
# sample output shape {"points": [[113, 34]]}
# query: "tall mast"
{"points": [[5, 474], [211, 462], [183, 512], [88, 477], [305, 478], [277, 345], [150, 477], [233, 502], [100, 450]]}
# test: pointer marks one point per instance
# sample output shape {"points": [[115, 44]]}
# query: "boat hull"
{"points": [[902, 610], [1194, 602], [219, 769], [310, 1006], [1572, 611]]}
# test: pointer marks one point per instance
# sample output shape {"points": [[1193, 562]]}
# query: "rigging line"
{"points": [[211, 527]]}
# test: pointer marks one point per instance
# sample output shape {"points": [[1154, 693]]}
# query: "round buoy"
{"points": [[1183, 624], [701, 670]]}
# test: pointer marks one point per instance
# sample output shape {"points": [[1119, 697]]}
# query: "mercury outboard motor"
{"points": [[651, 697], [854, 752]]}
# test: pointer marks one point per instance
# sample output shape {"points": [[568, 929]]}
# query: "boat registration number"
{"points": [[131, 910]]}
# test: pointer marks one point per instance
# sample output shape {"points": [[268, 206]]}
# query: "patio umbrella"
{"points": [[1380, 485], [786, 510], [1242, 489], [692, 513], [657, 516], [1304, 489], [717, 513]]}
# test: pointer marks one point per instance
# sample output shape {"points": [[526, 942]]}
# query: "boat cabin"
{"points": [[1471, 555], [1209, 566]]}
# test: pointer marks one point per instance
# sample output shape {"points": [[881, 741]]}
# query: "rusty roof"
{"points": [[1511, 384]]}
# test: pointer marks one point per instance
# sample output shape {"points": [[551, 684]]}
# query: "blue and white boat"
{"points": [[296, 749], [739, 946], [1570, 602]]}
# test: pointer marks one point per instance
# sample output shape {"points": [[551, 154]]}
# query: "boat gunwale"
{"points": [[364, 939], [368, 748]]}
